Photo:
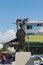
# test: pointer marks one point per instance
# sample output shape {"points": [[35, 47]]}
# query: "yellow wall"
{"points": [[34, 38]]}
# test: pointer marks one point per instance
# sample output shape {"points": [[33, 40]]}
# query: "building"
{"points": [[34, 36]]}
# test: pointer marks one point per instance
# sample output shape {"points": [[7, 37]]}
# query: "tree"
{"points": [[5, 46]]}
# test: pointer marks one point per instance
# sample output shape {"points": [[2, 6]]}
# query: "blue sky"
{"points": [[10, 10]]}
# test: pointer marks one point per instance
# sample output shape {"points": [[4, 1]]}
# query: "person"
{"points": [[4, 57]]}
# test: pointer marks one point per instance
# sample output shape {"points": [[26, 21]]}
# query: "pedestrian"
{"points": [[3, 58]]}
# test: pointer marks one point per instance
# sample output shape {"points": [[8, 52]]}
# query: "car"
{"points": [[37, 60], [41, 63]]}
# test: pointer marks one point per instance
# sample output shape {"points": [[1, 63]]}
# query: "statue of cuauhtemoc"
{"points": [[21, 37]]}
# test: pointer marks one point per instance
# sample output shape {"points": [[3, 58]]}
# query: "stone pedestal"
{"points": [[22, 58]]}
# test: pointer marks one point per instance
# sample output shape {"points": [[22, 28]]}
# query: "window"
{"points": [[27, 26], [38, 24], [41, 64], [30, 27]]}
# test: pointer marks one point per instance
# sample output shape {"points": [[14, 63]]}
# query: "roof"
{"points": [[10, 43], [14, 40], [35, 22]]}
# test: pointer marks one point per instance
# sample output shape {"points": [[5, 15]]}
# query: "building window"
{"points": [[27, 26], [38, 24], [30, 27]]}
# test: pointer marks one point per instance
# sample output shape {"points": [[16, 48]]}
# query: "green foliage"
{"points": [[0, 49], [5, 46]]}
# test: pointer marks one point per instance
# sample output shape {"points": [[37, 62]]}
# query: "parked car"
{"points": [[37, 59], [41, 63]]}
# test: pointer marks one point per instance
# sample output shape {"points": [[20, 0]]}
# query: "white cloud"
{"points": [[7, 36]]}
